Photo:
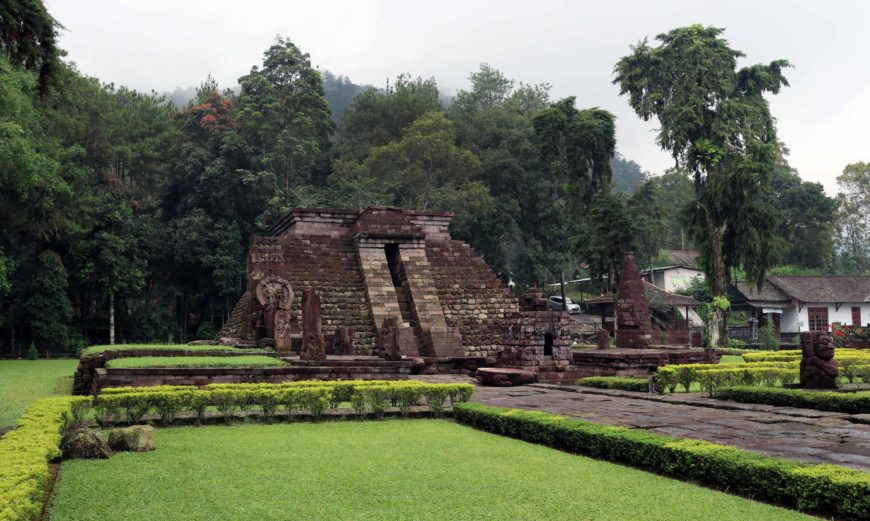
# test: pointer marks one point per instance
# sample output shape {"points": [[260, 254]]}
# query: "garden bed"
{"points": [[195, 361], [414, 469], [845, 402]]}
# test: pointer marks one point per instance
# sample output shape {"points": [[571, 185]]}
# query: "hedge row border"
{"points": [[830, 401], [828, 489]]}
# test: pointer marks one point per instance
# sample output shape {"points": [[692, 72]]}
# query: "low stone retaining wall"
{"points": [[328, 370], [84, 376], [638, 363]]}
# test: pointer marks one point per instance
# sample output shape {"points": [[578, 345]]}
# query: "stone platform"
{"points": [[804, 435], [333, 368], [637, 363], [83, 379]]}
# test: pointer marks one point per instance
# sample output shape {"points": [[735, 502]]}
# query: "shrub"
{"points": [[26, 451], [616, 382], [315, 396], [768, 335], [840, 491], [850, 403], [32, 353]]}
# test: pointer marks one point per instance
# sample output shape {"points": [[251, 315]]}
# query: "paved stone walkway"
{"points": [[800, 434]]}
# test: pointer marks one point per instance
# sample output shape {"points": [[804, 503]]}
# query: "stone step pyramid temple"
{"points": [[367, 266]]}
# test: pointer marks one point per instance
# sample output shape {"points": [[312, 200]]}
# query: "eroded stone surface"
{"points": [[800, 434]]}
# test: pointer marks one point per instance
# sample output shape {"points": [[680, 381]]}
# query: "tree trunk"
{"points": [[111, 317], [611, 279], [716, 317]]}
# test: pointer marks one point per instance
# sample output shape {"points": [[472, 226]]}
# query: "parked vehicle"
{"points": [[556, 304]]}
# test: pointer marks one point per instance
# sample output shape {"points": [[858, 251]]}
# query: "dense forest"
{"points": [[126, 215]]}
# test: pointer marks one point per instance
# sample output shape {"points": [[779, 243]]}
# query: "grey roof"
{"points": [[682, 257], [768, 293], [823, 288]]}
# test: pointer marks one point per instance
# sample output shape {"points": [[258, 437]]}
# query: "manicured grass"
{"points": [[411, 469], [95, 350], [195, 361], [25, 381], [732, 359]]}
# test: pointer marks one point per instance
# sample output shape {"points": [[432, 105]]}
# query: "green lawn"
{"points": [[196, 361], [23, 381], [95, 350], [389, 470]]}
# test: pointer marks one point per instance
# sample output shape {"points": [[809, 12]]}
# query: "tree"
{"points": [[108, 259], [806, 217], [283, 114], [376, 117], [853, 218], [28, 36], [612, 231], [716, 124], [49, 306], [577, 146], [424, 159]]}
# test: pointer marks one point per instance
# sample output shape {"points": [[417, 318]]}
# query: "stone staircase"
{"points": [[472, 297]]}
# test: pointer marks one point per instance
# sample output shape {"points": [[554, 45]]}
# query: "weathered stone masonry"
{"points": [[376, 264]]}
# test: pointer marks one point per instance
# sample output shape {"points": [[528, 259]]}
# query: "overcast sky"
{"points": [[822, 117]]}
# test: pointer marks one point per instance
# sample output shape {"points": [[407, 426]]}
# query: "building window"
{"points": [[856, 316], [818, 319]]}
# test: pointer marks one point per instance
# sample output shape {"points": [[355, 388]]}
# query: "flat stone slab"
{"points": [[505, 377], [803, 435]]}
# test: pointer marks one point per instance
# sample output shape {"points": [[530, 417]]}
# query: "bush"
{"points": [[195, 361], [32, 353], [314, 395], [26, 451], [839, 491], [850, 403], [615, 382], [768, 335]]}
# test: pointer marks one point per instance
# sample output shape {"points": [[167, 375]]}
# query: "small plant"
{"points": [[32, 353], [768, 335]]}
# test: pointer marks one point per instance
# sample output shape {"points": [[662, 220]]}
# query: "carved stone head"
{"points": [[273, 290], [824, 346]]}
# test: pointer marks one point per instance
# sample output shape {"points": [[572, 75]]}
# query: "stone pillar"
{"points": [[342, 343], [634, 328], [312, 340]]}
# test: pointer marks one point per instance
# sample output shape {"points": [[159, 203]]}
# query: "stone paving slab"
{"points": [[800, 434]]}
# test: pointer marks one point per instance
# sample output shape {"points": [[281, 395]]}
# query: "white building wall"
{"points": [[679, 278], [791, 316]]}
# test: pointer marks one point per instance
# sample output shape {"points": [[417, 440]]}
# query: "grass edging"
{"points": [[616, 382], [26, 451], [100, 349], [849, 403], [829, 489], [144, 362]]}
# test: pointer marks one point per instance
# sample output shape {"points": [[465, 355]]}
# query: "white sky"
{"points": [[822, 117]]}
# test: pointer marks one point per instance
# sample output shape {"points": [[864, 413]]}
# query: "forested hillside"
{"points": [[120, 208]]}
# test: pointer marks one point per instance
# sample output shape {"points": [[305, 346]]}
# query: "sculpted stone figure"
{"points": [[388, 342], [275, 296], [818, 367], [312, 339]]}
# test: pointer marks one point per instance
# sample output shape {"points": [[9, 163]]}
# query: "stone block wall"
{"points": [[473, 299], [524, 342]]}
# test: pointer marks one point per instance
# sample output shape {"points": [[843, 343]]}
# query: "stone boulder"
{"points": [[505, 377], [138, 438], [84, 444], [204, 343]]}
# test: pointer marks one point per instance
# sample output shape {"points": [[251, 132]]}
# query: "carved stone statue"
{"points": [[312, 339], [388, 341], [818, 367], [602, 339], [342, 342], [275, 296]]}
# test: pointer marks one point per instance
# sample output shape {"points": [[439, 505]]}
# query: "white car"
{"points": [[556, 305]]}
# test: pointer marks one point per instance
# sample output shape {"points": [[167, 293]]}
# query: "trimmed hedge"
{"points": [[26, 451], [143, 362], [96, 350], [850, 403], [616, 382], [374, 396], [670, 376], [831, 489]]}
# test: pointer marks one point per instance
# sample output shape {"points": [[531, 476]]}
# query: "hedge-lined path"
{"points": [[800, 434]]}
